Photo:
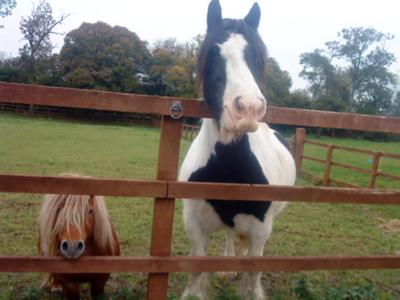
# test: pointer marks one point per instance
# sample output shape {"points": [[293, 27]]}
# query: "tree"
{"points": [[299, 99], [328, 84], [172, 70], [278, 83], [360, 82], [6, 7], [98, 56], [37, 30], [11, 71], [367, 70], [395, 107], [319, 71]]}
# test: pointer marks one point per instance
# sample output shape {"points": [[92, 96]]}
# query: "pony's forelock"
{"points": [[103, 231], [70, 210]]}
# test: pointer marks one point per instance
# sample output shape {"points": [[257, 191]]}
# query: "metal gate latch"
{"points": [[176, 110]]}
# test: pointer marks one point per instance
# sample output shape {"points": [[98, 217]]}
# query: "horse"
{"points": [[233, 146], [72, 226]]}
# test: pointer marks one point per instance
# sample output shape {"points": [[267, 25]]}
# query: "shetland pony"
{"points": [[72, 226], [233, 147]]}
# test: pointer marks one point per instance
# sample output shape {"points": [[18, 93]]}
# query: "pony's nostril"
{"points": [[64, 245], [80, 245]]}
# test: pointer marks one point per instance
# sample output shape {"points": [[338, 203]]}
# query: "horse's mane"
{"points": [[228, 26], [60, 210]]}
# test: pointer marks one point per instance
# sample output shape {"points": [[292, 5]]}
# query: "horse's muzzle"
{"points": [[72, 249], [243, 116]]}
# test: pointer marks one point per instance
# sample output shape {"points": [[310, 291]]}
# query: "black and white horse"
{"points": [[234, 147]]}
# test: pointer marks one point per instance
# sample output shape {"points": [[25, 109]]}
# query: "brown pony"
{"points": [[72, 226]]}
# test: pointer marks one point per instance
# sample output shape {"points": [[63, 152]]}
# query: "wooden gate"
{"points": [[165, 189]]}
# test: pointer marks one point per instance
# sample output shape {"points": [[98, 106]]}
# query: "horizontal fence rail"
{"points": [[100, 100], [169, 264], [195, 190], [81, 186], [374, 172]]}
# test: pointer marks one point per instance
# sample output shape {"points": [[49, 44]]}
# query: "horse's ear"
{"points": [[253, 17], [214, 14]]}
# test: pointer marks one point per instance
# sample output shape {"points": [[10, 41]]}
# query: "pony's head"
{"points": [[231, 70], [69, 223]]}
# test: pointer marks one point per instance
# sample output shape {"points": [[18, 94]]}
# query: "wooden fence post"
{"points": [[31, 110], [374, 169], [192, 133], [161, 237], [299, 147], [328, 165]]}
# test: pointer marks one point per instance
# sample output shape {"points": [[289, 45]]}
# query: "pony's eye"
{"points": [[90, 211]]}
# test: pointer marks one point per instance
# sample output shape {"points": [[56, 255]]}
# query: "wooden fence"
{"points": [[165, 189], [328, 162], [80, 114], [189, 132]]}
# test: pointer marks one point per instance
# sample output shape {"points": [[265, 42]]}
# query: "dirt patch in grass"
{"points": [[393, 226]]}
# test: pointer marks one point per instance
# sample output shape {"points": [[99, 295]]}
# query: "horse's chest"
{"points": [[233, 163]]}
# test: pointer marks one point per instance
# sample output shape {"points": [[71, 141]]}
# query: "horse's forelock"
{"points": [[218, 34]]}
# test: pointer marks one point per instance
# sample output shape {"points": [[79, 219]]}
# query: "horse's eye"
{"points": [[90, 211]]}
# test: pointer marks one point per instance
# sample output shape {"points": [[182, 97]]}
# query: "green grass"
{"points": [[50, 147]]}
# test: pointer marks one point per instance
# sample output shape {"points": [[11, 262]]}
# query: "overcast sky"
{"points": [[288, 27]]}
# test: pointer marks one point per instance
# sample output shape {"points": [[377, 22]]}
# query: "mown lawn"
{"points": [[50, 147]]}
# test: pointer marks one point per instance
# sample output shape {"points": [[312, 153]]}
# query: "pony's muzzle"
{"points": [[72, 249]]}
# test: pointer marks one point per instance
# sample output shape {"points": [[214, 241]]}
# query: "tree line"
{"points": [[349, 74]]}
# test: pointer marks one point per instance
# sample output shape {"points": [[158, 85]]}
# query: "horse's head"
{"points": [[232, 70], [70, 225], [76, 226]]}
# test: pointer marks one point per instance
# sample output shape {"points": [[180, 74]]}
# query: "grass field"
{"points": [[50, 147]]}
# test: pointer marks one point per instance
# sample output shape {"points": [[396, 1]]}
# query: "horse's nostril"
{"points": [[80, 245], [238, 103], [64, 245], [261, 108]]}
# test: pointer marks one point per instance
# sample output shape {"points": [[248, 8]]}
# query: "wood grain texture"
{"points": [[199, 190], [328, 165], [163, 212], [81, 186], [163, 265], [318, 160], [300, 137], [168, 190], [350, 167], [100, 100]]}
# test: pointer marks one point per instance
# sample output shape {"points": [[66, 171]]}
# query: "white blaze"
{"points": [[240, 81]]}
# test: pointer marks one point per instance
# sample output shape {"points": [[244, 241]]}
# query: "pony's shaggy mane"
{"points": [[70, 210]]}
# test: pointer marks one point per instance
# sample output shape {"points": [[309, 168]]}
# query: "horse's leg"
{"points": [[200, 221], [72, 291], [198, 282], [229, 251], [56, 288], [97, 286], [251, 287]]}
